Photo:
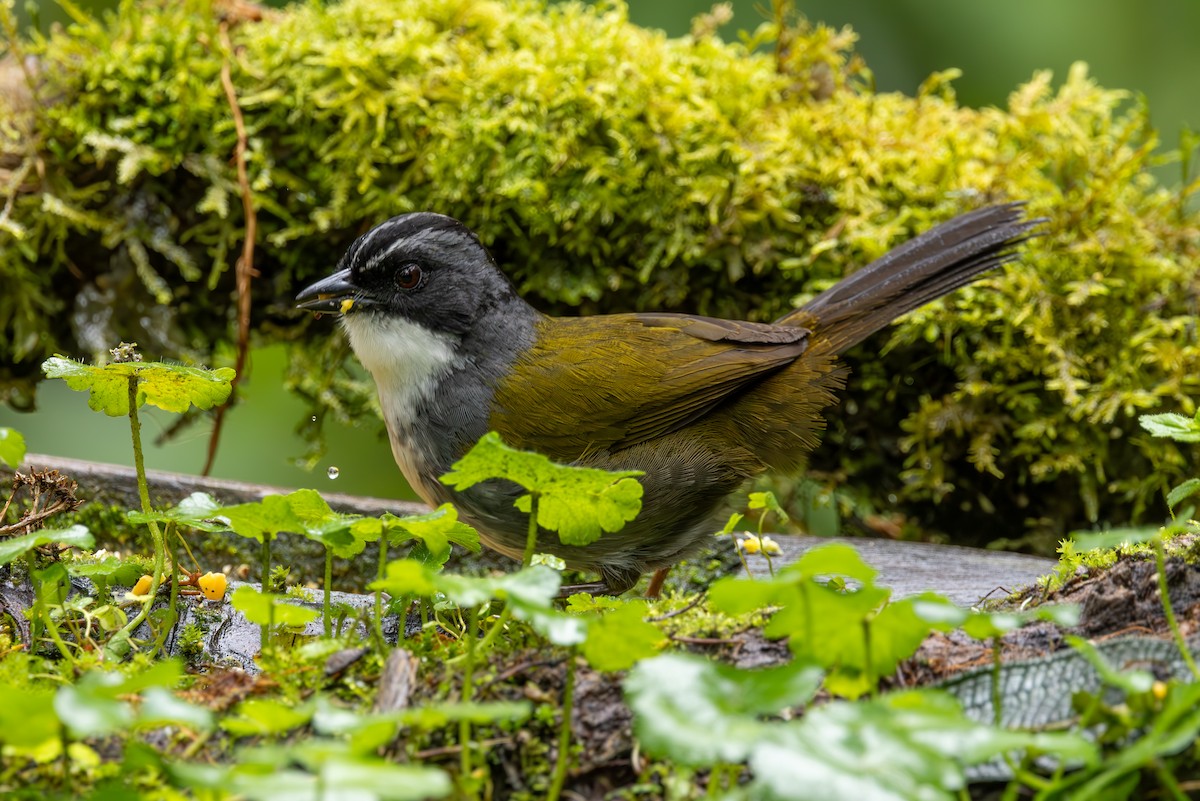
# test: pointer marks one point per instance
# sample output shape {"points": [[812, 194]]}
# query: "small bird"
{"points": [[699, 404]]}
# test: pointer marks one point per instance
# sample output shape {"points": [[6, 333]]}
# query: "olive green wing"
{"points": [[608, 382]]}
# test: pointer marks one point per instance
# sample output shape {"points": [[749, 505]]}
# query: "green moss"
{"points": [[610, 167]]}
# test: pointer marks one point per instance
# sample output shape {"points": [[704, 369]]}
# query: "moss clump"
{"points": [[610, 167]]}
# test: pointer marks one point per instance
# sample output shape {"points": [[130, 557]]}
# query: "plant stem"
{"points": [[497, 627], [531, 537], [265, 560], [868, 667], [742, 557], [64, 739], [172, 616], [325, 604], [1160, 563], [1167, 779], [42, 614], [564, 732], [468, 692], [379, 574], [997, 700], [139, 466]]}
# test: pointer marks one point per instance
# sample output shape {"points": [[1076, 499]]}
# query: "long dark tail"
{"points": [[937, 262]]}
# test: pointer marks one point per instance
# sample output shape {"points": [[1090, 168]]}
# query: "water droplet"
{"points": [[333, 473], [314, 418]]}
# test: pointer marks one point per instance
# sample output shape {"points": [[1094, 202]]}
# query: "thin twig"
{"points": [[676, 613], [453, 750], [245, 264], [703, 640]]}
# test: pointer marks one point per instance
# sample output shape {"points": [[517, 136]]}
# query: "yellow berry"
{"points": [[213, 585], [143, 586]]}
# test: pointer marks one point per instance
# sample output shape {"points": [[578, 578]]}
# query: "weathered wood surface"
{"points": [[117, 485], [966, 575]]}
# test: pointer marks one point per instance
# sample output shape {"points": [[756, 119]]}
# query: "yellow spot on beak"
{"points": [[347, 305]]}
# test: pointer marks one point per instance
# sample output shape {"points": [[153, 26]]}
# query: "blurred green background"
{"points": [[1148, 48]]}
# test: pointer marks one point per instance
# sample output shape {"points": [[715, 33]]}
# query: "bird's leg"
{"points": [[657, 581]]}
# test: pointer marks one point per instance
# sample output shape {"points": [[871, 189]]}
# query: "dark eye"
{"points": [[409, 275]]}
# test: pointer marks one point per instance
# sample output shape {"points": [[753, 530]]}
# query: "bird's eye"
{"points": [[409, 275]]}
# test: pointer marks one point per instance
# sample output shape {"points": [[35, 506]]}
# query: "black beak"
{"points": [[337, 293]]}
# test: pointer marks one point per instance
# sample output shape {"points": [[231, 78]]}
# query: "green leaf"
{"points": [[27, 717], [530, 592], [847, 626], [618, 639], [908, 745], [264, 716], [95, 705], [265, 608], [265, 519], [222, 781], [1112, 539], [110, 571], [894, 632], [172, 387], [76, 536], [384, 780], [160, 707], [51, 585], [986, 625], [730, 524], [437, 530], [337, 777], [406, 577], [768, 503], [331, 719], [1185, 490], [198, 510], [580, 503], [12, 446], [834, 559], [88, 711], [701, 712], [432, 717], [1171, 425], [302, 512]]}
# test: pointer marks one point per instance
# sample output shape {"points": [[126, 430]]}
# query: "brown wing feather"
{"points": [[561, 396]]}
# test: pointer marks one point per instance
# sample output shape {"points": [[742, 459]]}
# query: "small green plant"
{"points": [[904, 745], [121, 388], [579, 503]]}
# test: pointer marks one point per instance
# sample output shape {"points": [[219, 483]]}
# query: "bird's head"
{"points": [[425, 269]]}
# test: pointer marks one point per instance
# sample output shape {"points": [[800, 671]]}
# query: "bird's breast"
{"points": [[408, 363]]}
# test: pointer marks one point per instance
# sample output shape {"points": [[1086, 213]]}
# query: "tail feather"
{"points": [[923, 269]]}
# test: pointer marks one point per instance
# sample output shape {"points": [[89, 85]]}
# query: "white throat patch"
{"points": [[406, 360]]}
